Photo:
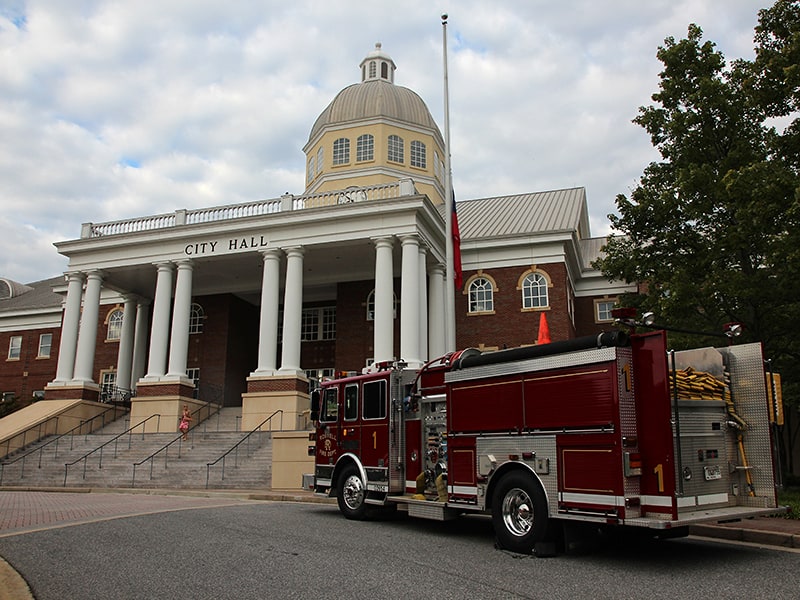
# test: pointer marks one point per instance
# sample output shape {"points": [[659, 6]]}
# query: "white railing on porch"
{"points": [[286, 203]]}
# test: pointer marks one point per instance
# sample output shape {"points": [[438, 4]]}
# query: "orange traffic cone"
{"points": [[544, 330]]}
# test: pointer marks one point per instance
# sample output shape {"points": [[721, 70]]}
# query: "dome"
{"points": [[376, 96]]}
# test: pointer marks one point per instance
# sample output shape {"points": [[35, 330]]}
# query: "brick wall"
{"points": [[30, 373]]}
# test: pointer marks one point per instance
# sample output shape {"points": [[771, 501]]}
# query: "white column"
{"points": [[292, 311], [423, 304], [409, 301], [125, 353], [140, 340], [436, 329], [268, 321], [159, 331], [69, 328], [87, 335], [384, 301], [181, 316]]}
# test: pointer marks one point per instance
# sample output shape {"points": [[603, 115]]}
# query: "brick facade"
{"points": [[29, 373]]}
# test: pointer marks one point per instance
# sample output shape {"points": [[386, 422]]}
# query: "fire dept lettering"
{"points": [[327, 445]]}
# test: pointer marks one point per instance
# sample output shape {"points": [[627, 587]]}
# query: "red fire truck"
{"points": [[609, 429]]}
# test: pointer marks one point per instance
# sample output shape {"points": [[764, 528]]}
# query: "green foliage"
{"points": [[713, 229], [790, 498]]}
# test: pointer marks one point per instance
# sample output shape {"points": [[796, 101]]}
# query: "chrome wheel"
{"points": [[517, 511], [353, 492]]}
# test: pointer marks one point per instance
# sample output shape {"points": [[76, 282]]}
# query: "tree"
{"points": [[712, 230]]}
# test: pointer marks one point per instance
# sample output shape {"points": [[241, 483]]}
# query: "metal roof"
{"points": [[39, 294], [371, 99], [524, 214]]}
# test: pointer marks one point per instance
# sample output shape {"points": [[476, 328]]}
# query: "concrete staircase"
{"points": [[181, 465]]}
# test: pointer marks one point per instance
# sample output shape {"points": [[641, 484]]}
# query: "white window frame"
{"points": [[365, 147], [534, 291], [45, 345], [371, 306], [341, 151], [15, 347], [419, 154], [197, 319], [481, 296], [114, 329], [395, 149], [604, 306], [318, 324]]}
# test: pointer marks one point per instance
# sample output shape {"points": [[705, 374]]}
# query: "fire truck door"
{"points": [[375, 424]]}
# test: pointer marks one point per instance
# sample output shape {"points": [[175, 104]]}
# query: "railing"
{"points": [[235, 448], [20, 444], [178, 440], [56, 439], [115, 440], [285, 203]]}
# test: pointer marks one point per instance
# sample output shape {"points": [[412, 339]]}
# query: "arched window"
{"points": [[115, 324], [371, 306], [396, 148], [384, 71], [341, 151], [365, 147], [319, 160], [373, 69], [418, 155], [534, 291], [310, 174], [196, 318], [481, 295]]}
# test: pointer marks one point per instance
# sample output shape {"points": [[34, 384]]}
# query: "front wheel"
{"points": [[519, 513], [351, 494]]}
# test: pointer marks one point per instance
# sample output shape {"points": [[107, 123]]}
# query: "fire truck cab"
{"points": [[609, 429]]}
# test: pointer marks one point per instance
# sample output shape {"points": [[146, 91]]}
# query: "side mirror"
{"points": [[315, 396]]}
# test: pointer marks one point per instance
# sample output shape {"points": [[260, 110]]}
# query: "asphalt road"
{"points": [[292, 550]]}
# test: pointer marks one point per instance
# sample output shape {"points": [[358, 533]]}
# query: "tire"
{"points": [[519, 513], [351, 494]]}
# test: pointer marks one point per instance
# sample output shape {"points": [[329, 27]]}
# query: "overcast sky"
{"points": [[111, 109]]}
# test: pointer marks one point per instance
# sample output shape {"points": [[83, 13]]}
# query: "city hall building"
{"points": [[242, 305]]}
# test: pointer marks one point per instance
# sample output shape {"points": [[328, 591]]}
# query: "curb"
{"points": [[752, 536]]}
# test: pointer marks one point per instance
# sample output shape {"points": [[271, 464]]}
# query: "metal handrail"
{"points": [[24, 434], [179, 440], [235, 447], [115, 439], [56, 439]]}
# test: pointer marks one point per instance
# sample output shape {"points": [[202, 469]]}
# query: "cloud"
{"points": [[111, 110]]}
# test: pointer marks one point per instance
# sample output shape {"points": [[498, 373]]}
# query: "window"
{"points": [[196, 318], [8, 397], [481, 295], [384, 70], [395, 148], [311, 172], [341, 151], [320, 154], [330, 405], [437, 168], [365, 147], [194, 375], [108, 385], [115, 318], [316, 375], [603, 308], [375, 399], [371, 306], [373, 69], [534, 291], [351, 402], [45, 343], [318, 324], [15, 347], [418, 156]]}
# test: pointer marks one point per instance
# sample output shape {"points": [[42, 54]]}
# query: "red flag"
{"points": [[544, 330], [457, 275]]}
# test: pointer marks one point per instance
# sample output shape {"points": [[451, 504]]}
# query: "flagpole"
{"points": [[449, 295]]}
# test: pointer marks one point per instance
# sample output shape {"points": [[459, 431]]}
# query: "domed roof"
{"points": [[375, 96]]}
